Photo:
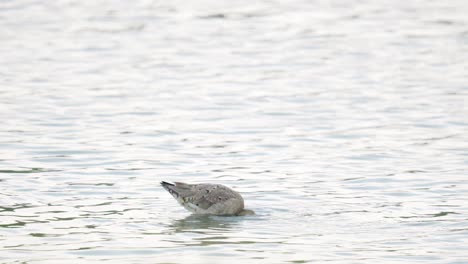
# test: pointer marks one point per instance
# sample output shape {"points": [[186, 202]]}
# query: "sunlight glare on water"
{"points": [[343, 124]]}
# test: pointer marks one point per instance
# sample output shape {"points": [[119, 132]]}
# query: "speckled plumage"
{"points": [[205, 198]]}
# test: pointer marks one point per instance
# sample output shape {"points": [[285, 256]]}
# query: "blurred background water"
{"points": [[343, 123]]}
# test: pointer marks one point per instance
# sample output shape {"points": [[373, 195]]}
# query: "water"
{"points": [[344, 126]]}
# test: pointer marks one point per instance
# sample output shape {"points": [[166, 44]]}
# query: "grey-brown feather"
{"points": [[206, 198], [206, 195]]}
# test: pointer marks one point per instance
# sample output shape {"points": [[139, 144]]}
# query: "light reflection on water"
{"points": [[344, 126]]}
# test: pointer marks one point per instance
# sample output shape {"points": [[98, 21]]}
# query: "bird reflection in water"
{"points": [[210, 230], [203, 224]]}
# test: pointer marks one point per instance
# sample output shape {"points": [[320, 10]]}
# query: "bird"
{"points": [[207, 198]]}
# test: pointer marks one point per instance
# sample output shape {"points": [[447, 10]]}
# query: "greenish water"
{"points": [[344, 126]]}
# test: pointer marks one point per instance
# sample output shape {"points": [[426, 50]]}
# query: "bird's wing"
{"points": [[206, 195]]}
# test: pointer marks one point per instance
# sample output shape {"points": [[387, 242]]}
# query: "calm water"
{"points": [[345, 126]]}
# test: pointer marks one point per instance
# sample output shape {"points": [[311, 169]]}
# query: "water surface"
{"points": [[344, 126]]}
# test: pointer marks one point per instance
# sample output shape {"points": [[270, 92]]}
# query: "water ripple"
{"points": [[342, 124]]}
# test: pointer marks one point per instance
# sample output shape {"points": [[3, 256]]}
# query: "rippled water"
{"points": [[343, 123]]}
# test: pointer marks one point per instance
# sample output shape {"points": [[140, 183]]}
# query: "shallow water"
{"points": [[344, 126]]}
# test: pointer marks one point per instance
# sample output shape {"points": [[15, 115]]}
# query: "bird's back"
{"points": [[206, 198]]}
